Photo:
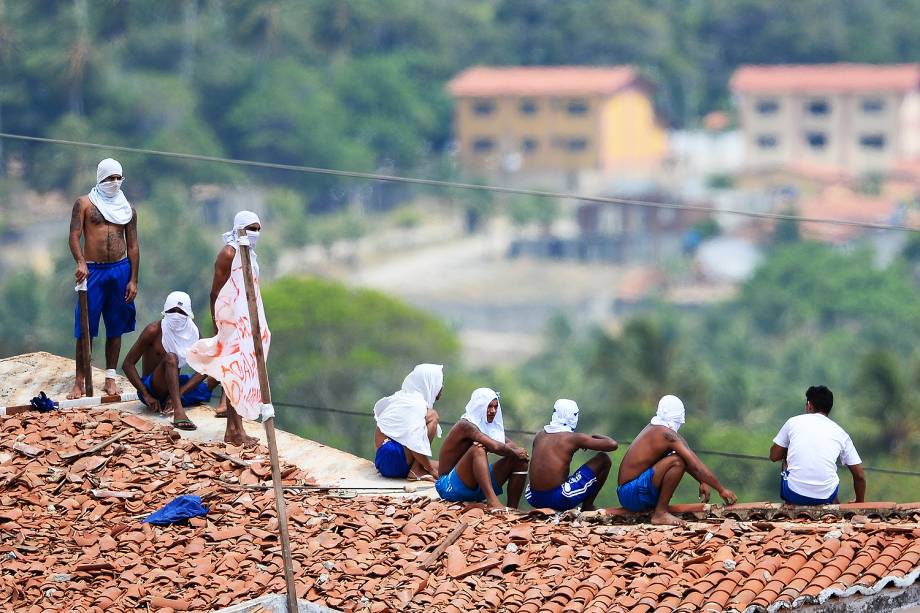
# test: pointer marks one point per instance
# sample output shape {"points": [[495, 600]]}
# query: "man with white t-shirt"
{"points": [[810, 445]]}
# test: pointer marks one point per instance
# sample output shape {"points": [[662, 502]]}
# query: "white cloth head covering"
{"points": [[179, 331], [476, 410], [401, 417], [116, 209], [240, 220], [565, 417], [670, 413]]}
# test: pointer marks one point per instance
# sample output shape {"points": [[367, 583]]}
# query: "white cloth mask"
{"points": [[670, 413], [477, 414], [565, 417], [253, 236], [108, 197], [179, 332], [401, 417]]}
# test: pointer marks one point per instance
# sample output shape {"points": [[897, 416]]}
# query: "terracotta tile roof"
{"points": [[827, 78], [68, 545], [840, 202], [541, 80]]}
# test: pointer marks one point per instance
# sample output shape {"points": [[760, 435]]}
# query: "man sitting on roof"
{"points": [[550, 483], [406, 425], [656, 462], [466, 475], [810, 445], [163, 345]]}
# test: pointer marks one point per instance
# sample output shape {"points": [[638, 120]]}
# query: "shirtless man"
{"points": [[163, 346], [656, 462], [234, 433], [550, 484], [108, 262], [406, 425], [466, 475]]}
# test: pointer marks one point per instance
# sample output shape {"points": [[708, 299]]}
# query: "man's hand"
{"points": [[130, 291], [728, 496], [152, 403], [520, 454], [704, 493], [82, 272]]}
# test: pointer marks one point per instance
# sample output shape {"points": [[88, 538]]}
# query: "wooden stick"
{"points": [[85, 343], [269, 423], [451, 538], [76, 454]]}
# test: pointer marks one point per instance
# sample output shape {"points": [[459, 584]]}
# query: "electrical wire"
{"points": [[724, 454], [467, 186]]}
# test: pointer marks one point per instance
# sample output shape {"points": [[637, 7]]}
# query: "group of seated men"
{"points": [[809, 444]]}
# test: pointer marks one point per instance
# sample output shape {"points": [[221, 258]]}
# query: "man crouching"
{"points": [[163, 346], [466, 475], [550, 483]]}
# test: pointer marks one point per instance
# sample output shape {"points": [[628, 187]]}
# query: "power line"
{"points": [[725, 454], [468, 186]]}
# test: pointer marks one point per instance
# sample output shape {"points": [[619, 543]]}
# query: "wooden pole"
{"points": [[269, 423], [85, 343]]}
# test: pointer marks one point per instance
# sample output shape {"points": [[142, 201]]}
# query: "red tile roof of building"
{"points": [[68, 547], [541, 80], [867, 78]]}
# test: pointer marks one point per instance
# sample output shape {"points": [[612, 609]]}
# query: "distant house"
{"points": [[546, 124], [853, 118]]}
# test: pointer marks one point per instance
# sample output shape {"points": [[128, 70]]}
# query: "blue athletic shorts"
{"points": [[105, 295], [197, 395], [451, 488], [789, 496], [390, 460], [640, 494], [568, 495]]}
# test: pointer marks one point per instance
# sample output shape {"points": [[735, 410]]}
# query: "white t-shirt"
{"points": [[815, 444]]}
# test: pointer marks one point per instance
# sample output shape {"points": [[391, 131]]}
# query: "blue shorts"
{"points": [[568, 495], [390, 460], [197, 395], [451, 488], [640, 494], [789, 496], [105, 295]]}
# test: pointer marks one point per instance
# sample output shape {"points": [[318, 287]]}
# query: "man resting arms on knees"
{"points": [[550, 483], [466, 475], [163, 346], [406, 425], [811, 444], [656, 462]]}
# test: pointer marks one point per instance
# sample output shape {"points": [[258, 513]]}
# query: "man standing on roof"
{"points": [[810, 445], [656, 462], [550, 484], [107, 263], [466, 475], [406, 425], [249, 221], [163, 346]]}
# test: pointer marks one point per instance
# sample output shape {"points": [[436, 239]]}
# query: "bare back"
{"points": [[651, 444], [551, 459], [103, 241]]}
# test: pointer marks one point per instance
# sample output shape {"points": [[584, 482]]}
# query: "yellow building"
{"points": [[551, 120]]}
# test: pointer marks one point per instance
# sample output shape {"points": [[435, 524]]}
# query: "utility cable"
{"points": [[724, 454], [468, 186]]}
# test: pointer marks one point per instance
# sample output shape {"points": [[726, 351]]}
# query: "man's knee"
{"points": [[171, 359], [432, 416], [601, 460], [477, 451], [675, 463]]}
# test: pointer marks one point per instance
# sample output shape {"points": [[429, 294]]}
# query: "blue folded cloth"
{"points": [[42, 403], [177, 511]]}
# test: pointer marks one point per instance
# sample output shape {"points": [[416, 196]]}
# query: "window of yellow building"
{"points": [[483, 145], [577, 106], [483, 106], [529, 145], [528, 106]]}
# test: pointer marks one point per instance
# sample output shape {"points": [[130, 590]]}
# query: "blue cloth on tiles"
{"points": [[451, 488], [177, 510], [105, 296], [42, 403], [791, 497], [197, 395], [640, 494], [567, 495], [390, 460]]}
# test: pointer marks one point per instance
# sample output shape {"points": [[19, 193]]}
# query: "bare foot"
{"points": [[588, 507], [110, 387], [240, 439], [663, 518], [77, 391]]}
